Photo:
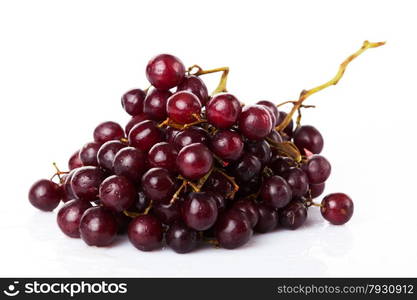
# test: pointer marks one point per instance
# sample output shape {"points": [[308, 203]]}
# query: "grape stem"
{"points": [[221, 87], [307, 93], [231, 195], [58, 172], [133, 214], [169, 122]]}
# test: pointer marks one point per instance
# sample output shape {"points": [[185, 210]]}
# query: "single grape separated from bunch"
{"points": [[190, 167]]}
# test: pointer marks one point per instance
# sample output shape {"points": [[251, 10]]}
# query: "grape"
{"points": [[255, 122], [293, 215], [75, 162], [98, 227], [155, 104], [308, 137], [246, 168], [183, 107], [190, 136], [227, 144], [108, 131], [249, 209], [136, 120], [261, 150], [233, 229], [199, 211], [273, 109], [196, 86], [337, 208], [158, 184], [107, 152], [194, 161], [144, 135], [131, 163], [318, 169], [165, 71], [167, 213], [276, 192], [88, 154], [181, 239], [298, 181], [132, 102], [117, 193], [146, 233], [316, 189], [69, 217], [268, 219], [45, 195], [163, 155], [86, 181], [223, 111]]}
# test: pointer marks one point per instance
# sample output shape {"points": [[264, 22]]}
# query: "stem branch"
{"points": [[307, 93]]}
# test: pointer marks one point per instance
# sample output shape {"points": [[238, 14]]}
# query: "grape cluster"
{"points": [[189, 168]]}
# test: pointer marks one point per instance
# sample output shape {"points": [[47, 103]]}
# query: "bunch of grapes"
{"points": [[191, 168]]}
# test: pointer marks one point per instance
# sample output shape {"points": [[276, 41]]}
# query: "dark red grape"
{"points": [[155, 104], [181, 239], [227, 144], [75, 162], [182, 107], [316, 189], [122, 222], [275, 136], [163, 155], [233, 229], [132, 101], [246, 168], [165, 71], [249, 187], [280, 164], [88, 154], [218, 183], [276, 192], [255, 122], [268, 219], [45, 195], [131, 163], [273, 109], [190, 136], [248, 207], [136, 120], [337, 208], [98, 227], [308, 137], [167, 213], [298, 181], [223, 111], [107, 152], [145, 232], [199, 211], [108, 131], [117, 193], [86, 181], [194, 161], [144, 135], [196, 86], [66, 188], [69, 217], [220, 201], [171, 133], [158, 184], [260, 149], [293, 215], [318, 169]]}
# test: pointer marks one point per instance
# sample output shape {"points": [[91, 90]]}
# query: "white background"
{"points": [[65, 64]]}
